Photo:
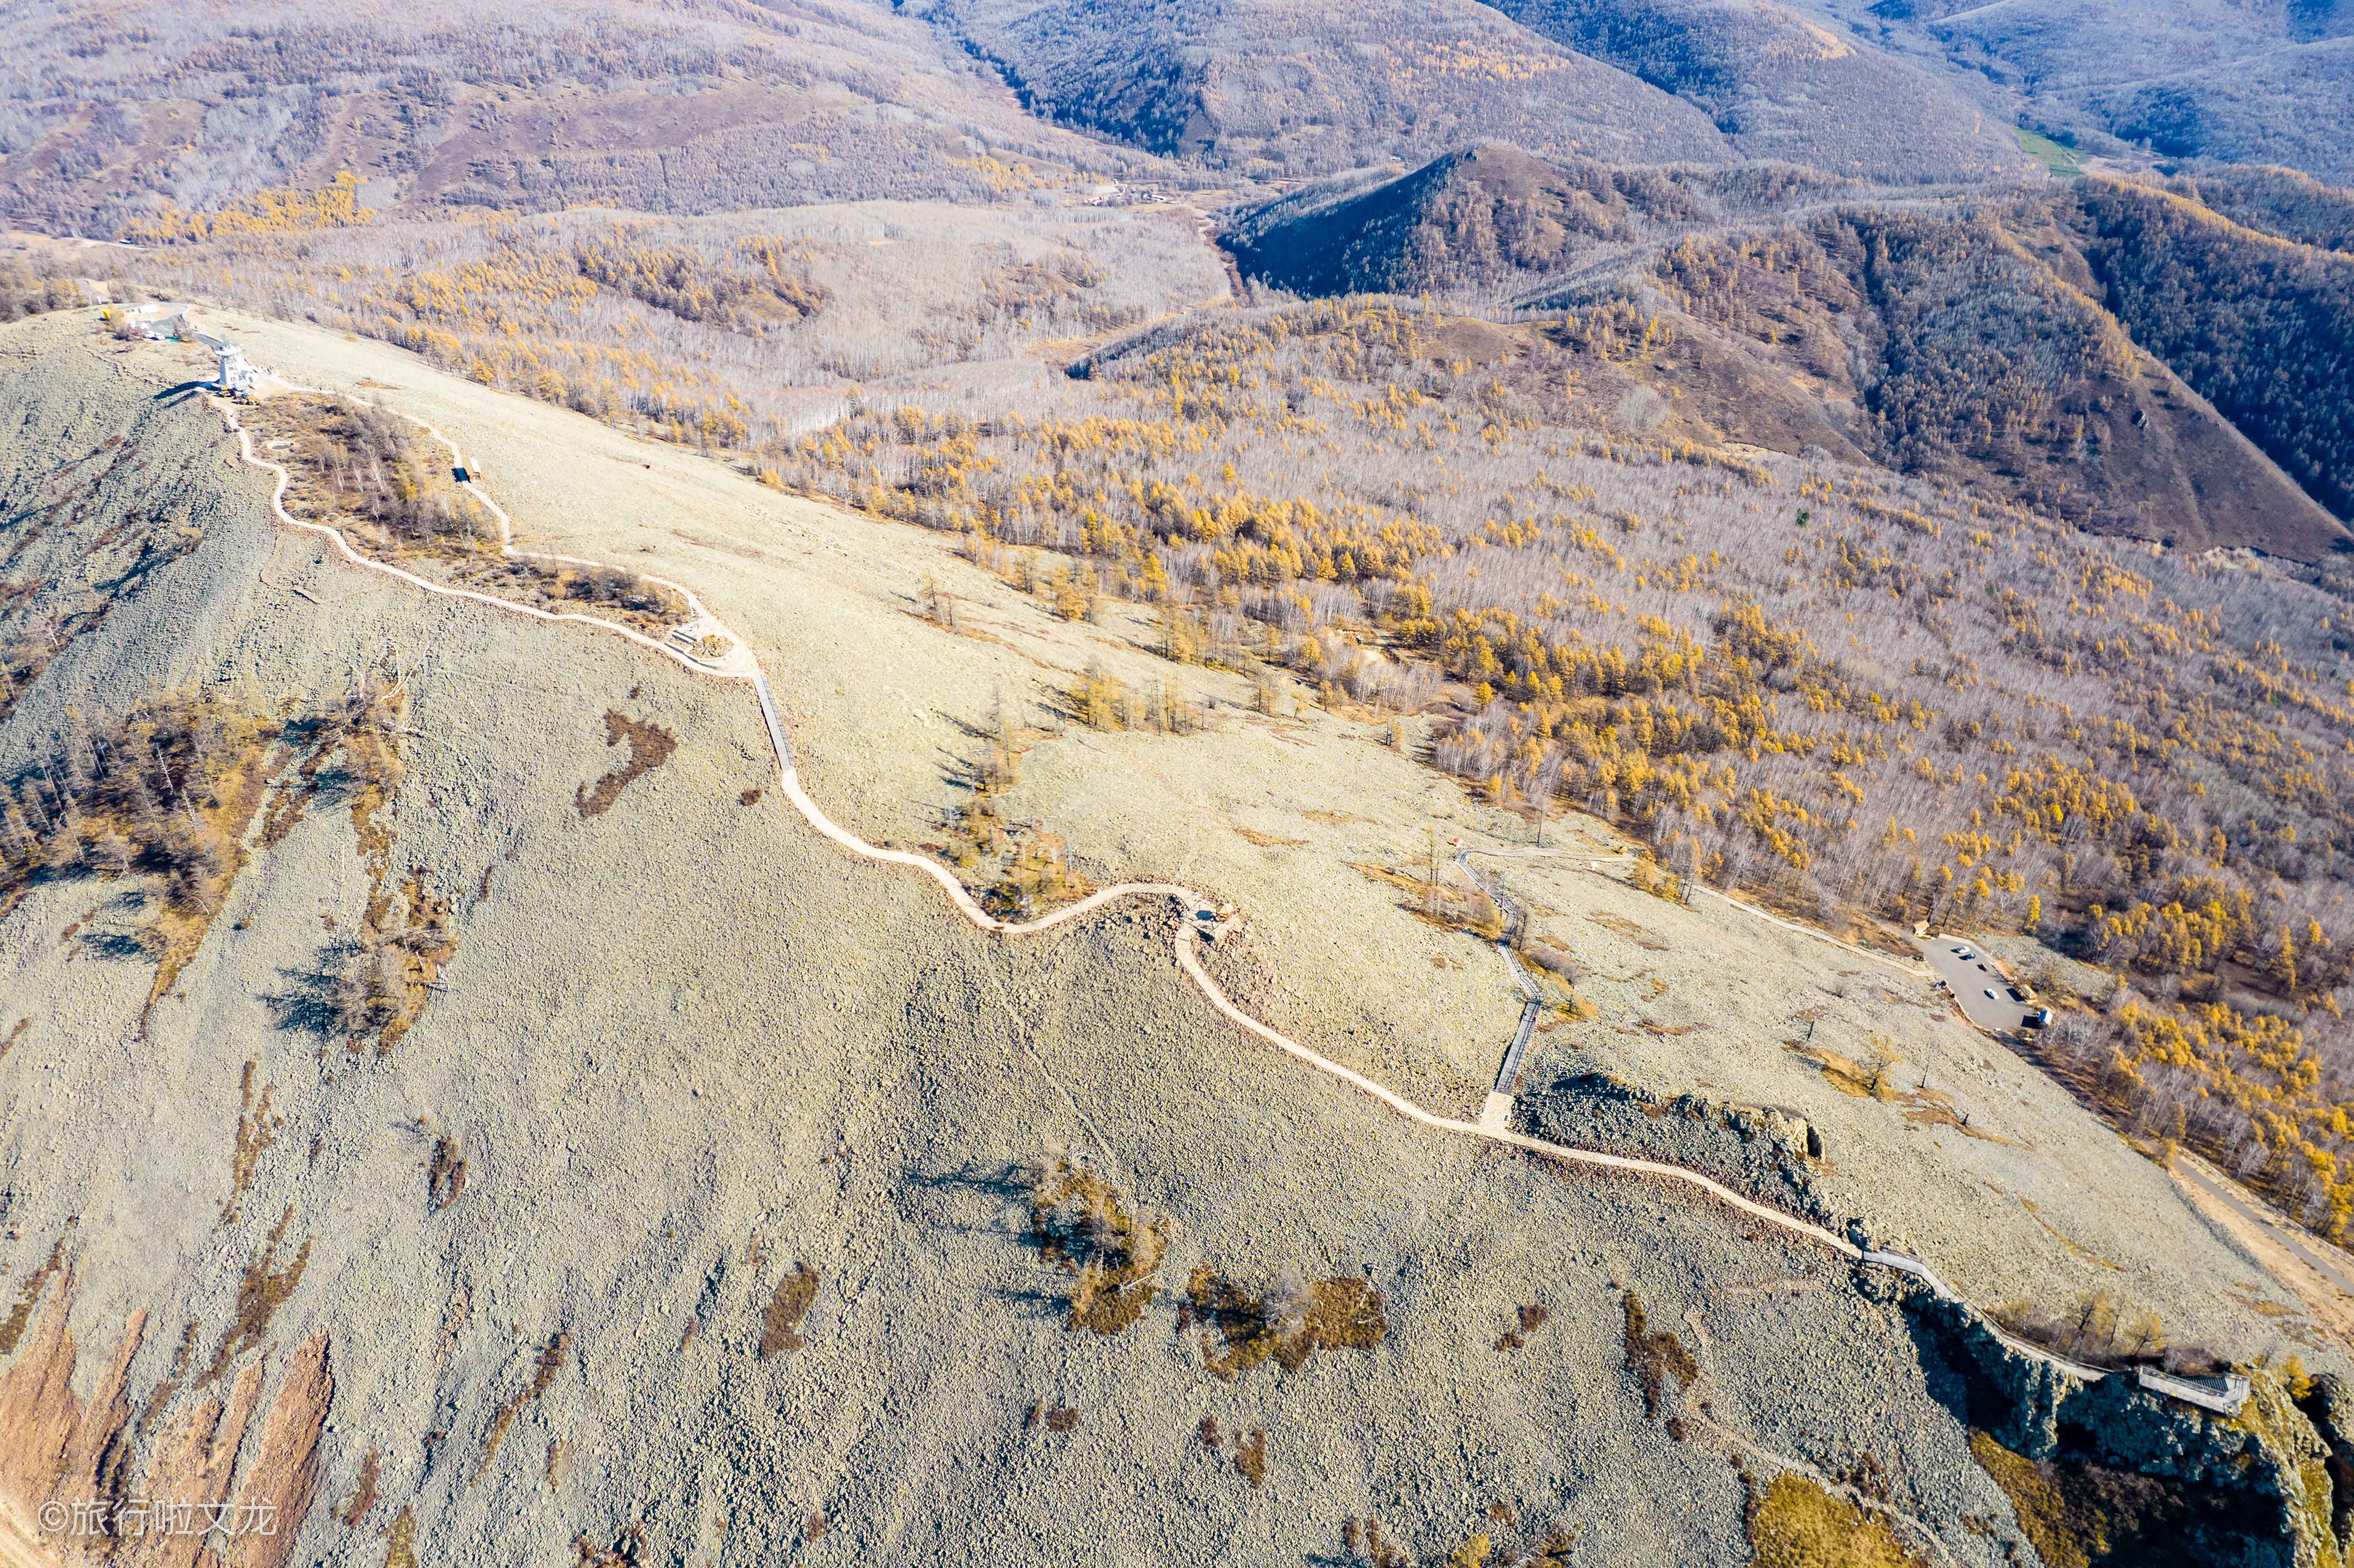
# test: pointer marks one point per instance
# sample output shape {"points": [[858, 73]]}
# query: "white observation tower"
{"points": [[236, 375]]}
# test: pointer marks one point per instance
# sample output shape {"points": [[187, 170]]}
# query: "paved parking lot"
{"points": [[1987, 1000]]}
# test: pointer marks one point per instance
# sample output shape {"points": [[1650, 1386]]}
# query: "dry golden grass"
{"points": [[1452, 908], [1250, 1458], [1630, 930], [1795, 1523], [550, 1363], [2042, 1509], [1921, 1105], [400, 1541]]}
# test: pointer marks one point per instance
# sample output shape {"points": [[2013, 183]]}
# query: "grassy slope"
{"points": [[678, 1060], [887, 704]]}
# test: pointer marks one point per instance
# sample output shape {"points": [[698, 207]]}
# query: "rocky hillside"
{"points": [[149, 120], [555, 1169]]}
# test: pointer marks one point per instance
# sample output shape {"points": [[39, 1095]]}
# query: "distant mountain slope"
{"points": [[1945, 346], [1298, 90], [1970, 344], [1781, 86], [2290, 105], [2279, 202], [118, 112], [2264, 327], [1490, 214], [2251, 83], [2056, 45]]}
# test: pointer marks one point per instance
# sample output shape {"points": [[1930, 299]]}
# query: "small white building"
{"points": [[160, 323], [235, 375]]}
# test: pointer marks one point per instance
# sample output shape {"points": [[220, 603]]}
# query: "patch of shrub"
{"points": [[1290, 1322], [650, 747], [1250, 1458], [1656, 1357], [445, 1175], [23, 293], [2095, 1331], [1531, 1318], [780, 1325], [371, 472], [1079, 1223]]}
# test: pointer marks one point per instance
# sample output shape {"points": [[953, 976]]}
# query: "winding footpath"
{"points": [[737, 663]]}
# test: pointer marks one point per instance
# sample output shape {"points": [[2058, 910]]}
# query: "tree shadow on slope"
{"points": [[329, 998], [97, 933]]}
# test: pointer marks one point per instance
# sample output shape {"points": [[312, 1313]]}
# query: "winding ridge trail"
{"points": [[738, 664]]}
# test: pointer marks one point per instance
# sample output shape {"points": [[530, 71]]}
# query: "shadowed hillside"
{"points": [[1293, 91], [1485, 215], [1492, 214], [1963, 354], [2262, 327], [1970, 341], [1781, 86]]}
